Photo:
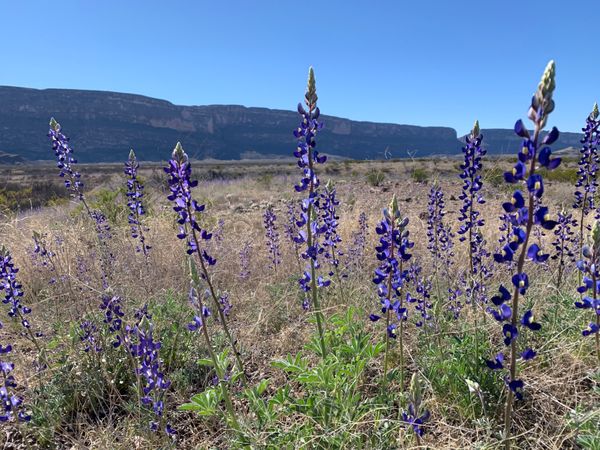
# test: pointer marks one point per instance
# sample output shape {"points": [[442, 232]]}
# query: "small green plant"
{"points": [[375, 177], [419, 175]]}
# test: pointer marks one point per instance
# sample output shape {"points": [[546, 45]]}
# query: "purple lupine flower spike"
{"points": [[390, 277], [471, 218], [65, 160], [135, 193], [565, 244], [272, 236], [587, 181], [329, 218], [311, 230], [145, 349], [589, 266], [12, 408], [526, 212]]}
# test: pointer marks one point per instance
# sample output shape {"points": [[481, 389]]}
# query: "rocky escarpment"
{"points": [[104, 125]]}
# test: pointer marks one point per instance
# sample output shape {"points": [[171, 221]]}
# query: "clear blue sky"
{"points": [[415, 62]]}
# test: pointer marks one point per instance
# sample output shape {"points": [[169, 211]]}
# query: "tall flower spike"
{"points": [[526, 212], [390, 277], [470, 216], [589, 265], [12, 404], [186, 207], [65, 160], [145, 350], [135, 193], [587, 181], [272, 237], [331, 238], [311, 230], [565, 244], [440, 239]]}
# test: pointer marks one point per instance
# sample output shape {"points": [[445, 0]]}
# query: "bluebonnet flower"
{"points": [[587, 181], [89, 336], [526, 211], [422, 290], [272, 236], [186, 207], [180, 186], [416, 416], [309, 236], [329, 217], [392, 252], [135, 193], [470, 216], [111, 306], [65, 160], [439, 234], [291, 230], [13, 408], [245, 260], [589, 266], [41, 252], [564, 243], [11, 289], [505, 239], [145, 349]]}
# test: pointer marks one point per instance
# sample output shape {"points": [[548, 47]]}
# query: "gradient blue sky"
{"points": [[424, 63]]}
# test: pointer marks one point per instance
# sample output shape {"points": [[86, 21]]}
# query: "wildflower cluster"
{"points": [[135, 193]]}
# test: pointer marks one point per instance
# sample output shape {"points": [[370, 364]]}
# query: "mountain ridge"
{"points": [[104, 125]]}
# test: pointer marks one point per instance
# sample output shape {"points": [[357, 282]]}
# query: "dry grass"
{"points": [[267, 317]]}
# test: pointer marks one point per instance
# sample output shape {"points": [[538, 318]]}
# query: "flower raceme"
{"points": [[180, 186], [272, 236], [589, 265], [526, 212], [135, 193]]}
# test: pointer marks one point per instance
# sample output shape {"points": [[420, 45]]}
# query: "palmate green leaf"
{"points": [[291, 364], [205, 404], [205, 362]]}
